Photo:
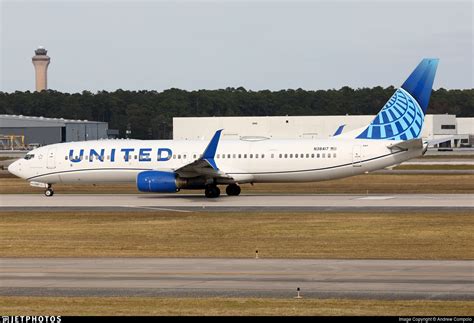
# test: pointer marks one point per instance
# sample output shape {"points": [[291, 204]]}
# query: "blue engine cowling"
{"points": [[156, 181]]}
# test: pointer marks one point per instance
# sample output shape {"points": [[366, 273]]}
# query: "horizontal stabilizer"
{"points": [[339, 130], [408, 144], [432, 142]]}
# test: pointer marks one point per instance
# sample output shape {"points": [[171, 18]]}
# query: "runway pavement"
{"points": [[258, 202], [385, 279]]}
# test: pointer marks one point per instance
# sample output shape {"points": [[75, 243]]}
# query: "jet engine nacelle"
{"points": [[158, 182], [167, 182]]}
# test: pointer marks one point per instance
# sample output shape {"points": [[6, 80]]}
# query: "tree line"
{"points": [[148, 114]]}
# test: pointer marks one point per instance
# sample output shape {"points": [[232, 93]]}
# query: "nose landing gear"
{"points": [[49, 191]]}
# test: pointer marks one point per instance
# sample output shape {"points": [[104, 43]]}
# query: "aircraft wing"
{"points": [[200, 167], [206, 165]]}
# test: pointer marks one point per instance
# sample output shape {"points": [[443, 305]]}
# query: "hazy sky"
{"points": [[156, 45]]}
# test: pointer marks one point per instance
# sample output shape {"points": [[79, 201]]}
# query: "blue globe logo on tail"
{"points": [[402, 116], [400, 119]]}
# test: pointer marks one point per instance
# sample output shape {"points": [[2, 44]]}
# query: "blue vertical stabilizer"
{"points": [[420, 83], [401, 118]]}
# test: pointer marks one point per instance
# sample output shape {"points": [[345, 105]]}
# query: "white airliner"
{"points": [[170, 165]]}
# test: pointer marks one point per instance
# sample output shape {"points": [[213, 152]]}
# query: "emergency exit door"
{"points": [[356, 156]]}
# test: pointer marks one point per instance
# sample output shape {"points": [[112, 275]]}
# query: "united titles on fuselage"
{"points": [[125, 154]]}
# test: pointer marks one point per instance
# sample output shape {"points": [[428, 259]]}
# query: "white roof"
{"points": [[16, 121]]}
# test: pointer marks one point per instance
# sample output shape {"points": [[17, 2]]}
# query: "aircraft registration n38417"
{"points": [[164, 166]]}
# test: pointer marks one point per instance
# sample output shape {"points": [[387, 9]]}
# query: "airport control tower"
{"points": [[41, 62]]}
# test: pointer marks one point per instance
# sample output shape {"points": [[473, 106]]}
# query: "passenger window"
{"points": [[263, 156], [286, 155], [174, 156], [223, 155], [233, 156], [324, 156], [272, 155], [307, 155], [108, 157], [291, 155], [179, 156], [329, 155], [245, 155], [334, 155], [194, 156], [302, 155], [135, 157], [318, 155], [251, 156], [65, 157], [184, 156], [256, 155], [312, 155]]}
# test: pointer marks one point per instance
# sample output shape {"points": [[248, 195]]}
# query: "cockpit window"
{"points": [[29, 156]]}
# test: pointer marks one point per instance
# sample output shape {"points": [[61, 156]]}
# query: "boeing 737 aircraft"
{"points": [[164, 166]]}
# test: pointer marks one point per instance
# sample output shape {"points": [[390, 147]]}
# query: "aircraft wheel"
{"points": [[212, 191], [233, 190], [49, 192]]}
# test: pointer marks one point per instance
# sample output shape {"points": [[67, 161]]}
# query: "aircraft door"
{"points": [[356, 156], [51, 158]]}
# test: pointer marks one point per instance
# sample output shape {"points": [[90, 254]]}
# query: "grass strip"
{"points": [[319, 235]]}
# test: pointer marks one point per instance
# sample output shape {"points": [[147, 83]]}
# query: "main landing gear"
{"points": [[212, 191], [49, 191], [233, 190]]}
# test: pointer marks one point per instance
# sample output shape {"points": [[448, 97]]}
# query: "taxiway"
{"points": [[256, 202], [182, 277]]}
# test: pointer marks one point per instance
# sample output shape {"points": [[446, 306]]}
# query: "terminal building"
{"points": [[458, 131], [22, 132]]}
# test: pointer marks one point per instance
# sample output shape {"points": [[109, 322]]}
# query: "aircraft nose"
{"points": [[14, 168]]}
